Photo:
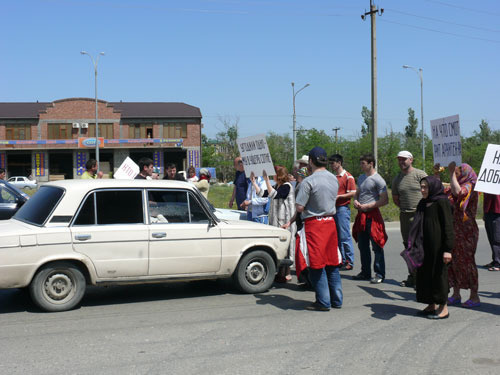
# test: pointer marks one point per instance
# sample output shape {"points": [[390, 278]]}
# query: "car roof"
{"points": [[75, 190]]}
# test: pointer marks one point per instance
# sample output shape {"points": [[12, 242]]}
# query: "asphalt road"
{"points": [[209, 328]]}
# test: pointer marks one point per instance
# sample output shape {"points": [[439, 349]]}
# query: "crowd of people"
{"points": [[437, 221]]}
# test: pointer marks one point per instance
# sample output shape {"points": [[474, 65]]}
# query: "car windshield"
{"points": [[37, 209]]}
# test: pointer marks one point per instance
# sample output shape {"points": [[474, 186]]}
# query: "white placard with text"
{"points": [[127, 171], [255, 155], [488, 178], [446, 142]]}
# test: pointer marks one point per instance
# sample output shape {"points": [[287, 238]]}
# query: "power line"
{"points": [[442, 32], [444, 21], [463, 8]]}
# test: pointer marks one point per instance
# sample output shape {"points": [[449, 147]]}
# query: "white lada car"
{"points": [[74, 233]]}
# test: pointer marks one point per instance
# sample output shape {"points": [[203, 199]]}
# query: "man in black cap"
{"points": [[317, 245]]}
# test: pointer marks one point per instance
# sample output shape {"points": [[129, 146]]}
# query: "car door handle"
{"points": [[83, 237], [159, 235]]}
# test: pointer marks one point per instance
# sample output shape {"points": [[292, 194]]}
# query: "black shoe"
{"points": [[435, 316], [377, 279], [317, 307], [361, 276], [426, 312], [409, 282], [490, 264]]}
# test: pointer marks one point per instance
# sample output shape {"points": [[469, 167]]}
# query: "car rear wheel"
{"points": [[255, 272], [58, 287]]}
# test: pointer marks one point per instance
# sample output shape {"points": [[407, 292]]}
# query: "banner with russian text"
{"points": [[488, 178], [446, 142], [255, 155]]}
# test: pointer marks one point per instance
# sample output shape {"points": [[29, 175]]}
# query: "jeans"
{"points": [[328, 286], [364, 240], [343, 221], [257, 219], [492, 225]]}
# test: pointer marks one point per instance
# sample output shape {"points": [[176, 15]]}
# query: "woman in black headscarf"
{"points": [[432, 235]]}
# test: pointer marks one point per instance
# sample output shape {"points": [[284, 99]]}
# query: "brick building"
{"points": [[54, 140]]}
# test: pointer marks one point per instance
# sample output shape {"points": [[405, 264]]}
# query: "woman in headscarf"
{"points": [[431, 235], [463, 270], [281, 210]]}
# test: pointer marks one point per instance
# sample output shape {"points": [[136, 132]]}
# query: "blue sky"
{"points": [[237, 58]]}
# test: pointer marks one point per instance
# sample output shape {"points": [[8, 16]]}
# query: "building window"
{"points": [[139, 131], [105, 131], [175, 130], [17, 132], [60, 131]]}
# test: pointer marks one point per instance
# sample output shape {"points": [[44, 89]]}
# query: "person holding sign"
{"points": [[256, 200], [463, 270], [492, 224]]}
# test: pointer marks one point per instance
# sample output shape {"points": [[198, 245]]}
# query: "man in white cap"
{"points": [[406, 195]]}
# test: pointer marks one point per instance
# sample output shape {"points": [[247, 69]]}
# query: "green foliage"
{"points": [[281, 149], [412, 127], [367, 121], [221, 151]]}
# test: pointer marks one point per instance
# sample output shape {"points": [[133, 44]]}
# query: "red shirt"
{"points": [[491, 203], [346, 185]]}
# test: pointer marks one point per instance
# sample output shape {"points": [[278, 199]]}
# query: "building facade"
{"points": [[54, 140]]}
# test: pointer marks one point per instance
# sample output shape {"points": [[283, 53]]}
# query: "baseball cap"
{"points": [[318, 153], [204, 171], [405, 154]]}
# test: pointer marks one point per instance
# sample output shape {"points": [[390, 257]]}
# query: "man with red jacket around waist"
{"points": [[316, 244], [369, 225]]}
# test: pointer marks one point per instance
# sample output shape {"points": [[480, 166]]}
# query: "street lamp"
{"points": [[94, 62], [420, 73], [295, 120]]}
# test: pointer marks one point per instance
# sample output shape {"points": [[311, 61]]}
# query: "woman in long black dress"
{"points": [[435, 221]]}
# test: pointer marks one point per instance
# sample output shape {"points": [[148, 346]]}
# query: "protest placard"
{"points": [[127, 171], [446, 142], [255, 155], [488, 180]]}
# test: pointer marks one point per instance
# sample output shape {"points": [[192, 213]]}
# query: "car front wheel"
{"points": [[255, 272], [58, 287]]}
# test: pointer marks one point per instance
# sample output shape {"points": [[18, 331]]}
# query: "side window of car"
{"points": [[86, 216], [196, 211], [168, 206], [119, 207], [6, 196]]}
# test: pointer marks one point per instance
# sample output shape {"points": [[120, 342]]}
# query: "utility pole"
{"points": [[336, 140], [373, 12]]}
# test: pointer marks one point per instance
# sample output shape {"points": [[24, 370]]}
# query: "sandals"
{"points": [[494, 268], [454, 301], [470, 304]]}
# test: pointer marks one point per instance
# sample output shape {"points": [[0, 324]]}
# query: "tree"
{"points": [[366, 127], [281, 149], [412, 127]]}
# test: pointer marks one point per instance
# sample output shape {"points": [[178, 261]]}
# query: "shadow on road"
{"points": [[386, 311], [399, 295], [281, 302]]}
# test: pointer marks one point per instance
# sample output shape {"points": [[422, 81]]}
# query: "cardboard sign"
{"points": [[488, 178], [127, 171], [255, 155], [446, 142]]}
